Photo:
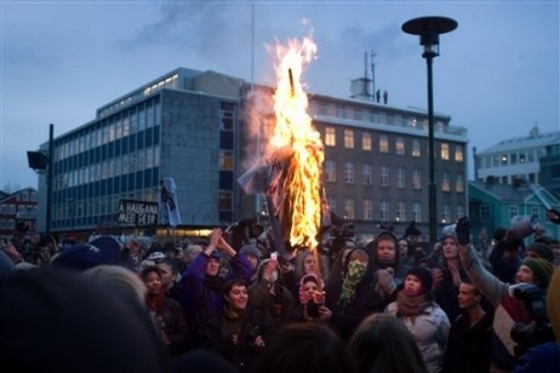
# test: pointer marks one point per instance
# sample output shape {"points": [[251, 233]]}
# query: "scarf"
{"points": [[356, 271], [384, 264], [408, 305]]}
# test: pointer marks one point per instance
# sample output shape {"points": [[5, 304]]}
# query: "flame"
{"points": [[294, 129]]}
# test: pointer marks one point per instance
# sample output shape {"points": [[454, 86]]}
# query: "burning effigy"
{"points": [[290, 171]]}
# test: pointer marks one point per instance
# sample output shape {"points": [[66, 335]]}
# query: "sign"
{"points": [[137, 213]]}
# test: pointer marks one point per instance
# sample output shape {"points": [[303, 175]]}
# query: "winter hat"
{"points": [[425, 277], [156, 255], [542, 270], [250, 249], [542, 250], [103, 250]]}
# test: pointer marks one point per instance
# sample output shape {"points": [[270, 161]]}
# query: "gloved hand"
{"points": [[386, 280], [463, 231]]}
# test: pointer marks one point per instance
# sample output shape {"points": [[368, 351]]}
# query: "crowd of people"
{"points": [[391, 304]]}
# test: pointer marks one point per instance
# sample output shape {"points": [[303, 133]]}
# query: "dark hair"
{"points": [[171, 263], [305, 348], [230, 284], [148, 270], [468, 281], [382, 343]]}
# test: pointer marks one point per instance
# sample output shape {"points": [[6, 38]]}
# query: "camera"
{"points": [[526, 336]]}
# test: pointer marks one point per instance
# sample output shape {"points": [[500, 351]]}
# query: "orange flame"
{"points": [[294, 129]]}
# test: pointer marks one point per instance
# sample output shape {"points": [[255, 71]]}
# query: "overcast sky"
{"points": [[497, 75]]}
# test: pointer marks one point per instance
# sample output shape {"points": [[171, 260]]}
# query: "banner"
{"points": [[137, 213], [168, 202]]}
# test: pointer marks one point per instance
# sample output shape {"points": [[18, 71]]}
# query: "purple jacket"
{"points": [[203, 299]]}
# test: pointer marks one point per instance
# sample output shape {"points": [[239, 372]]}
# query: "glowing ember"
{"points": [[294, 130]]}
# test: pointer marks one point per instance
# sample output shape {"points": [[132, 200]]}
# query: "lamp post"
{"points": [[429, 29]]}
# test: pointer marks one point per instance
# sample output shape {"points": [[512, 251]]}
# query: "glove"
{"points": [[463, 231], [386, 280]]}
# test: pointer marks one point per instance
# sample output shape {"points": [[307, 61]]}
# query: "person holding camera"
{"points": [[508, 310], [238, 332]]}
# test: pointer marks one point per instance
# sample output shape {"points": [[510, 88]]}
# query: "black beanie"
{"points": [[424, 275], [542, 250]]}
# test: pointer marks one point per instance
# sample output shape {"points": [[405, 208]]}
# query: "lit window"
{"points": [[383, 144], [399, 146], [367, 173], [367, 209], [366, 141], [384, 176], [330, 136], [445, 181], [416, 149], [349, 139], [349, 173], [226, 160], [446, 214], [504, 159], [225, 200], [459, 154], [349, 208], [445, 151], [330, 171]]}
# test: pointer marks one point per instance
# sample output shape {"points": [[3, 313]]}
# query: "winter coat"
{"points": [[175, 326], [212, 335], [430, 330]]}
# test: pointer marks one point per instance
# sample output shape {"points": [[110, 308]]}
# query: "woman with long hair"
{"points": [[423, 317]]}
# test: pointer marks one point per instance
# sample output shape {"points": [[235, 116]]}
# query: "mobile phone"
{"points": [[274, 256]]}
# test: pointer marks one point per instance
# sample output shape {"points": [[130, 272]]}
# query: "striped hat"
{"points": [[542, 270]]}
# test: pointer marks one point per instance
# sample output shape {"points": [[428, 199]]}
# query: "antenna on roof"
{"points": [[372, 54]]}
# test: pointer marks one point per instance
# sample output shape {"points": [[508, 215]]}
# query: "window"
{"points": [[445, 181], [349, 173], [485, 213], [417, 212], [399, 146], [384, 176], [535, 211], [416, 179], [401, 177], [504, 159], [401, 211], [226, 160], [416, 149], [332, 204], [349, 139], [11, 209], [459, 154], [367, 173], [366, 141], [225, 200], [383, 144], [513, 211], [367, 209], [446, 214], [495, 160], [521, 157], [349, 208], [330, 171], [513, 159], [444, 151], [25, 196], [3, 209], [460, 183], [384, 210], [330, 136], [460, 211]]}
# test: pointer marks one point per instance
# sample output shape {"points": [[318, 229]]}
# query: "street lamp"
{"points": [[429, 29]]}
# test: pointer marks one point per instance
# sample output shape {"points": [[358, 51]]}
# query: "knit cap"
{"points": [[542, 250], [542, 270], [424, 275]]}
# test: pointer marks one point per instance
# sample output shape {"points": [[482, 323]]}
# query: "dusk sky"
{"points": [[497, 75]]}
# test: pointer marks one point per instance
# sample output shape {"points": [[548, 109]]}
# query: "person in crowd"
{"points": [[349, 301], [253, 255], [540, 250], [120, 280], [506, 256], [267, 293], [310, 297], [237, 332], [448, 275], [202, 284], [423, 317], [167, 313], [405, 252], [190, 253], [54, 321], [305, 348], [169, 273], [469, 348], [389, 272], [337, 271], [382, 343], [508, 310]]}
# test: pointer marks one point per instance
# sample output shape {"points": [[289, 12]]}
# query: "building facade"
{"points": [[198, 127], [18, 209]]}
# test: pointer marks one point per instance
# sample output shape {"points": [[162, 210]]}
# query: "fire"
{"points": [[294, 130]]}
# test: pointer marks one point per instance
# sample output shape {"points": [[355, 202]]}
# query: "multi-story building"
{"points": [[193, 126], [16, 208], [514, 158], [550, 169]]}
